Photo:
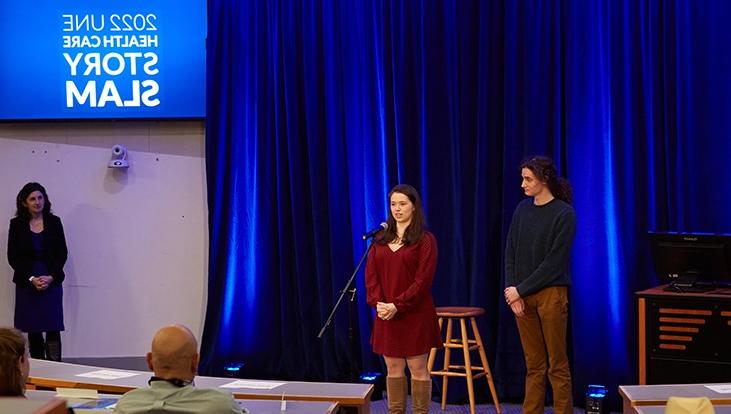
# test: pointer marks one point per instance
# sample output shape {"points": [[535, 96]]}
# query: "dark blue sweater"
{"points": [[538, 250]]}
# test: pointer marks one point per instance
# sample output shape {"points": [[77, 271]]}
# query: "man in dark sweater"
{"points": [[537, 256]]}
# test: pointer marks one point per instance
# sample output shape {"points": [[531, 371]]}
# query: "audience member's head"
{"points": [[174, 360], [14, 364], [174, 353]]}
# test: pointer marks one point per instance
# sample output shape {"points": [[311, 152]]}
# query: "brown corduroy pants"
{"points": [[543, 335]]}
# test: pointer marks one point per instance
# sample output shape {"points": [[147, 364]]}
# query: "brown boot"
{"points": [[420, 396], [396, 389]]}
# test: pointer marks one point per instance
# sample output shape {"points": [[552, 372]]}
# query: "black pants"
{"points": [[50, 348]]}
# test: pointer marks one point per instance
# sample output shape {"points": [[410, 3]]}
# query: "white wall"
{"points": [[137, 238]]}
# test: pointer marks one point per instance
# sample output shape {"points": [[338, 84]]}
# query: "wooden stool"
{"points": [[466, 344]]}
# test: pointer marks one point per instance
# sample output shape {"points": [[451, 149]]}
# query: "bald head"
{"points": [[174, 353]]}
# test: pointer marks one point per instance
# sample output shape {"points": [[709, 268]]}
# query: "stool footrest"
{"points": [[474, 368], [470, 348], [459, 341], [457, 374]]}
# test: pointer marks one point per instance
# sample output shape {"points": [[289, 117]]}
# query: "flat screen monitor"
{"points": [[692, 258], [102, 59]]}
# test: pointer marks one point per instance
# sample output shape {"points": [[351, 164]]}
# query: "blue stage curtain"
{"points": [[316, 108]]}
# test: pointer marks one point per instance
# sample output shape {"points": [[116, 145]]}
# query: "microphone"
{"points": [[382, 226]]}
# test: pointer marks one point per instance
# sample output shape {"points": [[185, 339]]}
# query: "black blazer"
{"points": [[21, 254]]}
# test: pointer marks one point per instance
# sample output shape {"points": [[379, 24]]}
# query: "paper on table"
{"points": [[77, 393], [259, 385], [107, 374], [720, 388]]}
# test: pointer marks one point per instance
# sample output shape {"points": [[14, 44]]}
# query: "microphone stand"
{"points": [[351, 292]]}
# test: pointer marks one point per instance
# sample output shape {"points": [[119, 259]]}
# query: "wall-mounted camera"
{"points": [[119, 157]]}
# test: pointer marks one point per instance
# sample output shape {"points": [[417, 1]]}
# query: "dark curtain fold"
{"points": [[316, 108]]}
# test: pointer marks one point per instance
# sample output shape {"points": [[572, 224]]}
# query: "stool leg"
{"points": [[445, 381], [467, 364], [433, 352], [485, 365]]}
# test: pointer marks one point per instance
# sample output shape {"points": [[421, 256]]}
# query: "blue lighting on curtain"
{"points": [[230, 294], [614, 295], [613, 260]]}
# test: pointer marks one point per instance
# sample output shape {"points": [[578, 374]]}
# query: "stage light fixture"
{"points": [[233, 369], [596, 400]]}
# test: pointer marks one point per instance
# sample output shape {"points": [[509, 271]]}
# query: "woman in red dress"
{"points": [[399, 275]]}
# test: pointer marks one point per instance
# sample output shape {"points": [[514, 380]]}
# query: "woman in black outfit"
{"points": [[37, 252]]}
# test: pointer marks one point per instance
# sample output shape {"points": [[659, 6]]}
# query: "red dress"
{"points": [[404, 278]]}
